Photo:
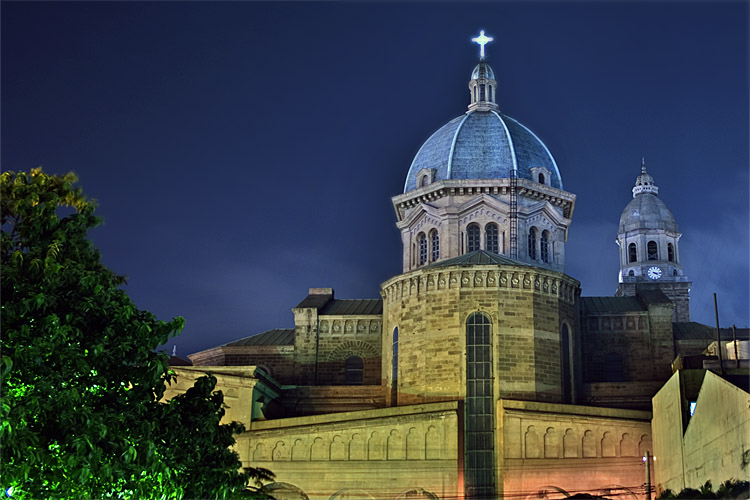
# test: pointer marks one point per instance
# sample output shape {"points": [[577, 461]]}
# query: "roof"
{"points": [[479, 257], [352, 307], [315, 301], [277, 336], [482, 145], [691, 330], [610, 305], [646, 211]]}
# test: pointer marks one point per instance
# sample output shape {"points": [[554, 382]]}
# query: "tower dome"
{"points": [[646, 210]]}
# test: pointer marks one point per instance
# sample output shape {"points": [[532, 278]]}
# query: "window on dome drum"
{"points": [[544, 246], [422, 242], [490, 92], [653, 250], [481, 92], [475, 93], [612, 371], [472, 237], [435, 241], [532, 243], [674, 272], [670, 252], [394, 368], [354, 374], [479, 452], [490, 235], [632, 254], [541, 178]]}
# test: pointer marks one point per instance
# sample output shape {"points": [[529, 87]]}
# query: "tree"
{"points": [[81, 382]]}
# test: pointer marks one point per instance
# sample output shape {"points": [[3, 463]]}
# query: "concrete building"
{"points": [[481, 372]]}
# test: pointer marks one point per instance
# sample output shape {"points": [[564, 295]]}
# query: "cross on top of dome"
{"points": [[482, 40]]}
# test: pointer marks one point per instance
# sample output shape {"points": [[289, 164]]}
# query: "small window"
{"points": [[354, 370], [475, 93], [481, 92], [491, 233], [435, 241], [632, 253], [653, 250], [424, 180], [670, 252], [472, 237], [541, 178], [631, 273], [674, 272], [491, 100], [422, 241], [532, 243], [544, 246]]}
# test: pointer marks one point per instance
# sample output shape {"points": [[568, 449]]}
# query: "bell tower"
{"points": [[648, 237]]}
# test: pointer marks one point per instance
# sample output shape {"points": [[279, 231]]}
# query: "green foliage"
{"points": [[730, 489], [81, 382]]}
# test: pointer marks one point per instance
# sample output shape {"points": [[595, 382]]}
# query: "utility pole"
{"points": [[718, 337], [647, 460]]}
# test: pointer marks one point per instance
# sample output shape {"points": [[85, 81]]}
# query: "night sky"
{"points": [[244, 152]]}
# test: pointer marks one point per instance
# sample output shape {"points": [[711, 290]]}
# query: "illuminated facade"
{"points": [[481, 372]]}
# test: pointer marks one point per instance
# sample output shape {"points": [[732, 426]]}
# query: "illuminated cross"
{"points": [[482, 41]]}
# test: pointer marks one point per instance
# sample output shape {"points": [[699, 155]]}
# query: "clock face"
{"points": [[654, 273]]}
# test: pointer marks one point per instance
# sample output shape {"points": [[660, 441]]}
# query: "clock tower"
{"points": [[649, 248]]}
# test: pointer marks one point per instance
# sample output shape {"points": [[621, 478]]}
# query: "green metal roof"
{"points": [[479, 258], [277, 336], [610, 305], [691, 330]]}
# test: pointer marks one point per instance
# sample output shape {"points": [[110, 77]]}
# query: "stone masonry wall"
{"points": [[430, 306]]}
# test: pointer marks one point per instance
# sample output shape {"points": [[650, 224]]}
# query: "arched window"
{"points": [[490, 235], [670, 252], [423, 181], [612, 371], [435, 242], [490, 93], [541, 178], [354, 370], [544, 246], [674, 272], [631, 273], [472, 237], [394, 371], [422, 240], [475, 93], [653, 250], [632, 253], [567, 393], [479, 452], [532, 243], [481, 92]]}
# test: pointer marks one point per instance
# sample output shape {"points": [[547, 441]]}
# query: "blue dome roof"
{"points": [[482, 145]]}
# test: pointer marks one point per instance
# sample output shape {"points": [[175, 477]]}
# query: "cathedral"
{"points": [[481, 372]]}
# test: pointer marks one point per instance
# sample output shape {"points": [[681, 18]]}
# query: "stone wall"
{"points": [[381, 452], [277, 361], [430, 306], [553, 447]]}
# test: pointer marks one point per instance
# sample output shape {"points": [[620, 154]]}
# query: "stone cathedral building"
{"points": [[481, 372]]}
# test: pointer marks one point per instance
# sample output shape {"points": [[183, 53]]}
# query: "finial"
{"points": [[643, 164], [482, 41], [174, 350]]}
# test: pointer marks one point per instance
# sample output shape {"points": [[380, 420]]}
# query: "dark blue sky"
{"points": [[243, 152]]}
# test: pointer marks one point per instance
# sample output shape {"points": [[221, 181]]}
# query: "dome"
{"points": [[647, 211], [482, 70], [482, 145]]}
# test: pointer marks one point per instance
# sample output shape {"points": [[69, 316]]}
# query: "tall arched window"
{"points": [[544, 246], [565, 377], [475, 93], [479, 452], [354, 370], [670, 252], [490, 93], [653, 250], [422, 241], [435, 242], [481, 92], [532, 243], [490, 234], [541, 178], [632, 253], [394, 368], [472, 237]]}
